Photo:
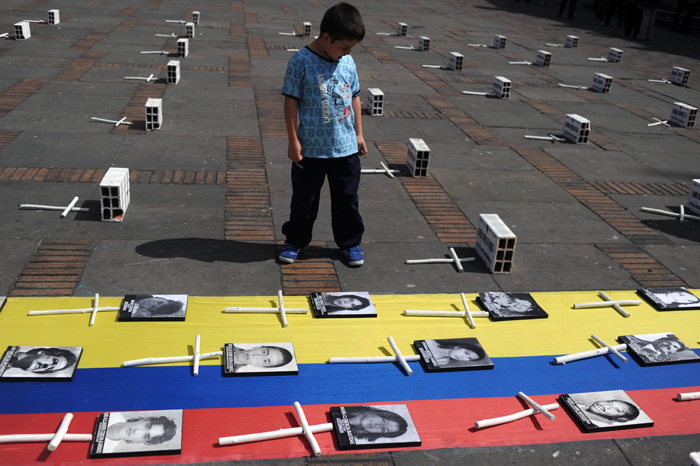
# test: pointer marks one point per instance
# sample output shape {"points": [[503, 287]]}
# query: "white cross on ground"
{"points": [[196, 357], [54, 439], [281, 310], [92, 310], [519, 415], [617, 305], [307, 430]]}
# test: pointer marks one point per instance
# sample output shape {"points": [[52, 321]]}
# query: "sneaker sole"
{"points": [[286, 259], [356, 263]]}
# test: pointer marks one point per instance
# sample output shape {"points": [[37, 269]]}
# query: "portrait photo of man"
{"points": [[259, 359], [138, 432]]}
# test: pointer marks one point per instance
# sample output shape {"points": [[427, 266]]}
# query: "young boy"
{"points": [[322, 111]]}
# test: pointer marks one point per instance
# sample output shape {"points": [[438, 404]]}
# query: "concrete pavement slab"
{"points": [[545, 267], [163, 211], [596, 165], [14, 253], [174, 152], [196, 265], [74, 150]]}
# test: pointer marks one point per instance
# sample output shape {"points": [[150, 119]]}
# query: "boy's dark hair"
{"points": [[342, 21]]}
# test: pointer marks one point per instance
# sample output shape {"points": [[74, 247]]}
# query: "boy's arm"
{"points": [[291, 120], [357, 111]]}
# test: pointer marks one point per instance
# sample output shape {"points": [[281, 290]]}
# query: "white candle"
{"points": [[569, 86], [60, 433], [95, 308], [22, 438], [181, 21], [438, 261], [197, 356], [164, 360], [404, 47], [466, 310], [689, 396], [387, 170], [166, 35], [282, 314], [110, 121], [587, 354], [456, 260], [72, 311], [475, 93], [669, 214], [539, 408], [539, 138], [477, 45], [399, 356], [417, 312], [610, 348], [307, 429], [274, 434], [554, 45], [372, 359], [162, 52], [525, 62], [598, 59], [70, 207], [512, 417], [616, 306], [621, 302], [663, 81], [432, 66]]}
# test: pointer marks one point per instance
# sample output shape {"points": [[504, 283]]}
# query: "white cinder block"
{"points": [[495, 243], [456, 61], [154, 114], [418, 157], [571, 42], [683, 115], [499, 42], [306, 29], [54, 16], [173, 71], [195, 17], [183, 47], [601, 83], [577, 129], [115, 194], [22, 30], [501, 87], [423, 43], [375, 101], [694, 197], [544, 58], [614, 55], [401, 29], [189, 28], [680, 76]]}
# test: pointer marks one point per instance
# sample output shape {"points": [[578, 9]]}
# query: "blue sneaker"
{"points": [[289, 253], [353, 256]]}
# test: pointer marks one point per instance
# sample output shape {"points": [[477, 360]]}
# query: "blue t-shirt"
{"points": [[324, 91]]}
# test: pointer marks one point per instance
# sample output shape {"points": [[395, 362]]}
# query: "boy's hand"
{"points": [[294, 151], [361, 145]]}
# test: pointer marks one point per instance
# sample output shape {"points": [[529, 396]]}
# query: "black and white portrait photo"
{"points": [[377, 426], [606, 410], [452, 354], [40, 363], [137, 433], [655, 349], [674, 298], [343, 304], [153, 307], [510, 306], [259, 359]]}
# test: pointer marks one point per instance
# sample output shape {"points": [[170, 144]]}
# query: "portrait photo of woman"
{"points": [[374, 426], [452, 354], [39, 363]]}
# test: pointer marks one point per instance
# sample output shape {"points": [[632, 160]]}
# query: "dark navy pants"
{"points": [[343, 180]]}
